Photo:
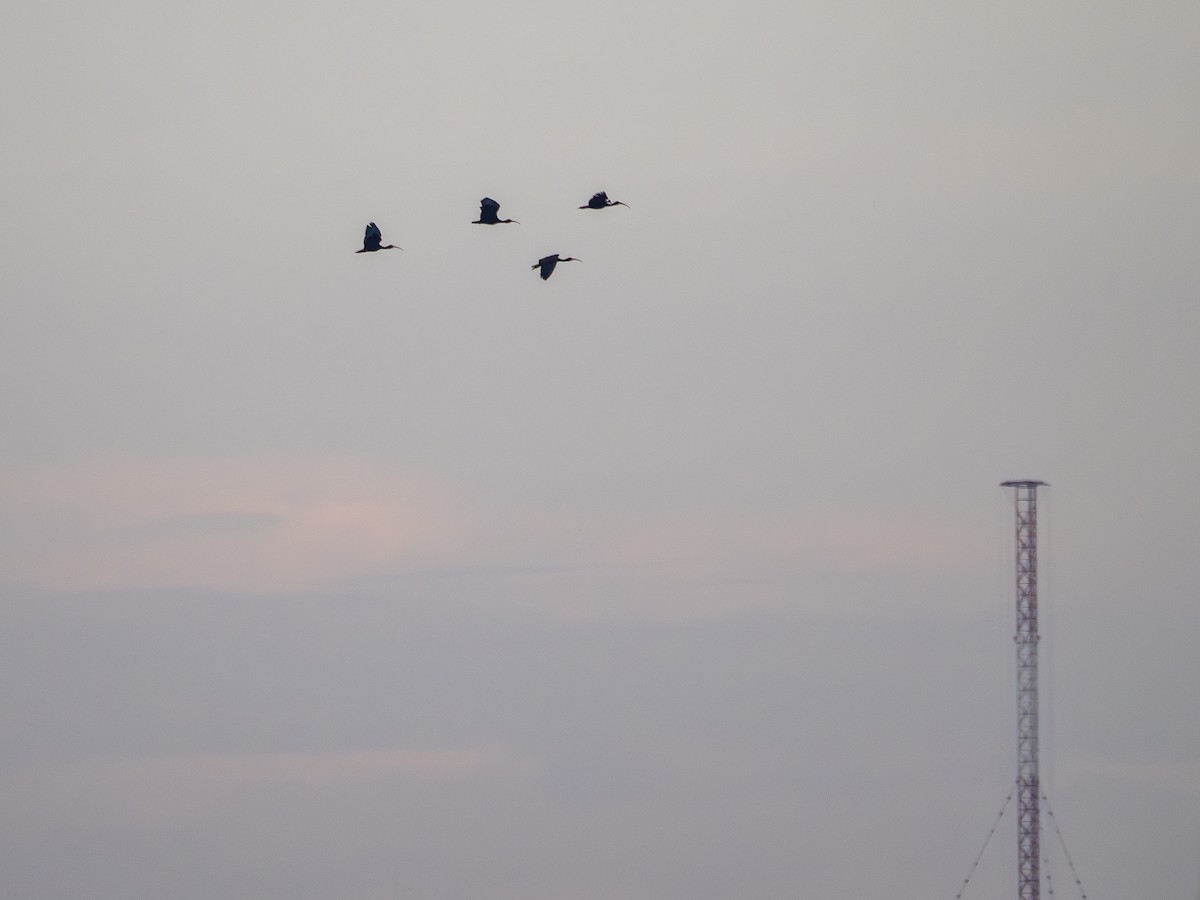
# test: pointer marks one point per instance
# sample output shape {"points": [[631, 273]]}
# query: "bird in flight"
{"points": [[547, 264], [600, 201], [489, 214], [373, 238]]}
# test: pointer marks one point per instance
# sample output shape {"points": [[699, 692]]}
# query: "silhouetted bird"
{"points": [[547, 264], [489, 214], [600, 201], [372, 240]]}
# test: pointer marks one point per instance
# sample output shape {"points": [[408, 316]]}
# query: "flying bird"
{"points": [[489, 214], [547, 264], [373, 238], [600, 201]]}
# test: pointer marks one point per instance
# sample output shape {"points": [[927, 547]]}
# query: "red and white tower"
{"points": [[1028, 786]]}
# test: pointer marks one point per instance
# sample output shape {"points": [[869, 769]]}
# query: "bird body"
{"points": [[600, 201], [489, 214], [547, 264], [373, 239]]}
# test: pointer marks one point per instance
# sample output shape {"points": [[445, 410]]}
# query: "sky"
{"points": [[683, 574]]}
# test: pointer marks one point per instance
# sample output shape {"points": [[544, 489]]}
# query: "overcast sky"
{"points": [[684, 575]]}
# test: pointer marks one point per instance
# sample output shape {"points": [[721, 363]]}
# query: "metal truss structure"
{"points": [[1027, 786]]}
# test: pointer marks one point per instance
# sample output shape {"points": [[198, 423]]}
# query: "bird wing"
{"points": [[488, 211], [372, 237], [600, 196], [547, 264]]}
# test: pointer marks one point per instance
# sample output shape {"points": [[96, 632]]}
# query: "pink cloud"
{"points": [[261, 524]]}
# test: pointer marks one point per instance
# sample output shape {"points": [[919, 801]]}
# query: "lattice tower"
{"points": [[1028, 787]]}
